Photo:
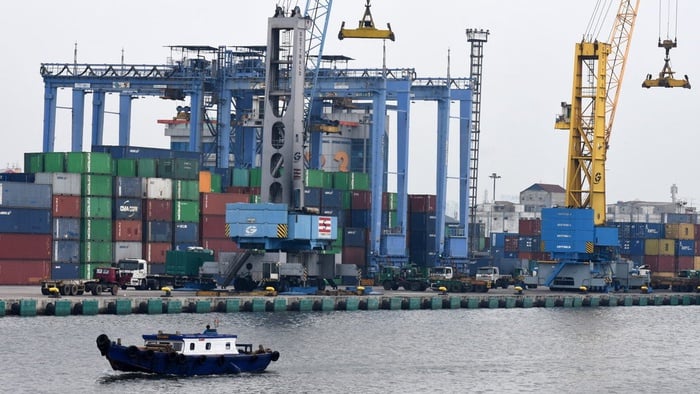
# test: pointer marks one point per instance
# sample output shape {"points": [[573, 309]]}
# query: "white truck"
{"points": [[141, 279], [493, 275]]}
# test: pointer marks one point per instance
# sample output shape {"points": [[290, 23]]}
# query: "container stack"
{"points": [[25, 233], [66, 211], [158, 223], [213, 221], [185, 176], [127, 228], [422, 221]]}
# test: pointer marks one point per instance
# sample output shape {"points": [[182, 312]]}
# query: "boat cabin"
{"points": [[209, 343]]}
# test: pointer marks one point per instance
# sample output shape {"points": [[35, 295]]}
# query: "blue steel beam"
{"points": [[98, 117], [443, 139], [124, 118], [78, 120], [49, 117]]}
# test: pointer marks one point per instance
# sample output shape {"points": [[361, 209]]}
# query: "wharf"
{"points": [[193, 303]]}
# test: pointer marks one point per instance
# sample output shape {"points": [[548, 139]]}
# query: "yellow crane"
{"points": [[599, 69]]}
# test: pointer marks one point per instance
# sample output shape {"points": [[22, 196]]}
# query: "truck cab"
{"points": [[138, 268]]}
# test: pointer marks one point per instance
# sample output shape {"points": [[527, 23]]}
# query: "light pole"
{"points": [[494, 176]]}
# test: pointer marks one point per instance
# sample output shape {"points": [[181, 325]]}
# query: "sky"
{"points": [[528, 66]]}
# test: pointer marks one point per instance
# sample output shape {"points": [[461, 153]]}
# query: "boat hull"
{"points": [[139, 359]]}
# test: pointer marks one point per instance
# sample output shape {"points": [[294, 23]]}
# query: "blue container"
{"points": [[685, 247], [17, 177], [66, 229], [128, 208], [606, 236], [158, 231], [25, 195], [186, 232], [422, 221], [25, 220], [135, 152], [646, 230], [529, 244], [312, 197], [634, 246], [498, 240], [359, 218], [66, 252], [422, 241], [128, 186], [60, 270], [332, 199], [678, 218], [354, 236]]}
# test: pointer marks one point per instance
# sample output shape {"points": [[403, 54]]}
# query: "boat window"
{"points": [[177, 346], [228, 345], [208, 347], [192, 346]]}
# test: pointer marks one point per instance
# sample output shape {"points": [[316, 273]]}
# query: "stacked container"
{"points": [[422, 242], [25, 233], [66, 213], [213, 221], [127, 225], [157, 221], [185, 204]]}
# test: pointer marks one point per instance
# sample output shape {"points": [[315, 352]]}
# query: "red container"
{"points": [[220, 245], [65, 206], [157, 210], [127, 230], [24, 272], [697, 234], [213, 226], [660, 264], [25, 246], [422, 203], [354, 255], [530, 227], [215, 203], [685, 263], [535, 256], [361, 200], [511, 243], [154, 252]]}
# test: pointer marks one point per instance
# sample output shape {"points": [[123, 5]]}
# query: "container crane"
{"points": [[665, 78], [366, 28]]}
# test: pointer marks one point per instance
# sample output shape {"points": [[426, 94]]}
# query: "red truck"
{"points": [[106, 279]]}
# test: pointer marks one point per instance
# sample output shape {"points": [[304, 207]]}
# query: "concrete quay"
{"points": [[189, 302]]}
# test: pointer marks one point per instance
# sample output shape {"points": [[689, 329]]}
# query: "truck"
{"points": [[456, 282], [411, 278], [141, 279], [683, 281], [493, 275], [105, 279]]}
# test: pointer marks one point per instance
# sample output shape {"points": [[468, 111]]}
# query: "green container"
{"points": [[392, 218], [125, 167], [347, 199], [240, 177], [89, 163], [178, 168], [351, 181], [96, 230], [314, 178], [216, 183], [33, 162], [55, 162], [95, 252], [185, 190], [255, 199], [255, 177], [392, 201], [96, 185], [96, 207], [146, 168], [185, 211], [186, 262]]}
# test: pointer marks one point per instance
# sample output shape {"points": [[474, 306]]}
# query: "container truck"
{"points": [[410, 278], [456, 282], [106, 279], [141, 279]]}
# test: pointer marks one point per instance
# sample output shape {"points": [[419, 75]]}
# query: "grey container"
{"points": [[66, 251], [127, 250], [62, 183], [66, 229], [25, 195], [127, 186]]}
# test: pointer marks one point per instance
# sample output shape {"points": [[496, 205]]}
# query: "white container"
{"points": [[62, 183], [158, 188], [127, 250]]}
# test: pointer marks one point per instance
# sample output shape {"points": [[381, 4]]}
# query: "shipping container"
{"points": [[389, 201], [54, 162], [661, 264], [62, 183], [96, 230], [25, 195], [332, 199], [127, 250], [205, 182], [659, 247], [185, 211], [679, 231], [360, 200], [160, 210], [33, 162], [354, 255], [186, 232], [684, 263], [215, 203], [125, 167], [158, 231], [88, 163], [213, 226], [127, 230], [240, 177], [685, 247], [157, 188], [530, 227], [25, 220], [24, 272], [26, 246], [96, 207], [154, 252], [355, 237], [186, 262], [425, 203], [219, 245], [60, 270], [350, 181], [66, 206], [185, 190], [127, 208], [178, 168], [66, 229], [96, 251], [96, 185], [312, 197], [66, 251], [146, 168], [128, 187], [21, 177]]}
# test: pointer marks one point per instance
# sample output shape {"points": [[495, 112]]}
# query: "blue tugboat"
{"points": [[208, 353]]}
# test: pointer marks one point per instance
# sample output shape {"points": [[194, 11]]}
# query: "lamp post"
{"points": [[494, 176]]}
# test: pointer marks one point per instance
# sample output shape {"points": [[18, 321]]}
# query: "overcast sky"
{"points": [[527, 72]]}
